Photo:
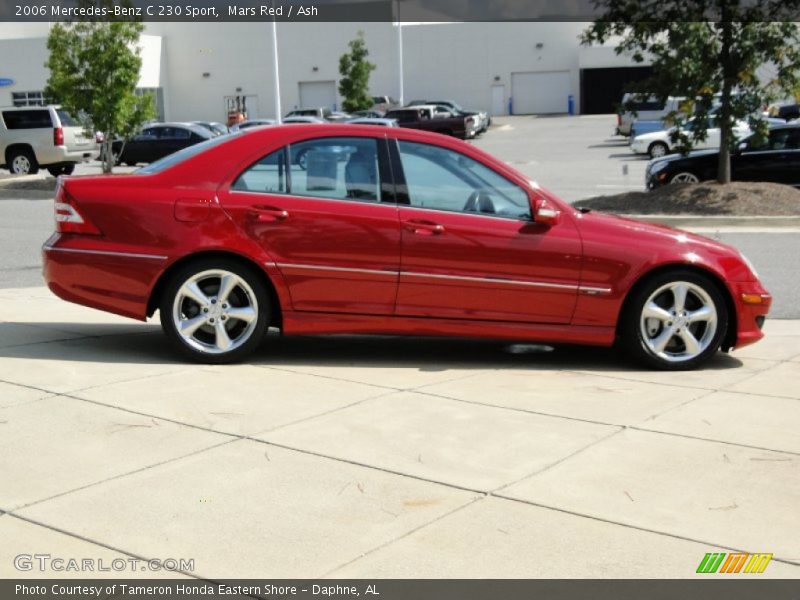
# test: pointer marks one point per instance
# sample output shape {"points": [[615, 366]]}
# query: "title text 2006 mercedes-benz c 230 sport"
{"points": [[318, 229]]}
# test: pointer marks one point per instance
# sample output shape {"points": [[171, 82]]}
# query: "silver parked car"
{"points": [[43, 136]]}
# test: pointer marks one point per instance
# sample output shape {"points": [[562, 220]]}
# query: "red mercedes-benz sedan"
{"points": [[318, 229]]}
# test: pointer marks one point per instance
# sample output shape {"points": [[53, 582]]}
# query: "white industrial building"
{"points": [[197, 69]]}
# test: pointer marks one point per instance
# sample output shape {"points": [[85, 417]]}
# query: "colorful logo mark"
{"points": [[737, 562]]}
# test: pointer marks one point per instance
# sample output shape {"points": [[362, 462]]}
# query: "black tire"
{"points": [[61, 170], [28, 159], [255, 334], [632, 324], [657, 150]]}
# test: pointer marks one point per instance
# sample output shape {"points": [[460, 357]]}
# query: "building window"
{"points": [[27, 98]]}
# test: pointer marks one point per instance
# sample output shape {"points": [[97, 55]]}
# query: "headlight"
{"points": [[749, 264]]}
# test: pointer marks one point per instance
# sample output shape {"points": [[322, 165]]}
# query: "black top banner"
{"points": [[361, 10]]}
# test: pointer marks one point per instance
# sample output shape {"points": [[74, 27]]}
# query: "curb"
{"points": [[755, 221], [6, 194]]}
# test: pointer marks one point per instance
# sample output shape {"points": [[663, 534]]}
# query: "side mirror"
{"points": [[742, 147], [545, 213]]}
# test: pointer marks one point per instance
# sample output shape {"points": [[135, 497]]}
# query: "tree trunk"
{"points": [[107, 154], [724, 118]]}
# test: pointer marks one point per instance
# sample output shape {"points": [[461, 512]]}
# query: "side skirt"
{"points": [[315, 323]]}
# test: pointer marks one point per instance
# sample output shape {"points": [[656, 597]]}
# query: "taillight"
{"points": [[58, 136], [68, 217], [619, 119]]}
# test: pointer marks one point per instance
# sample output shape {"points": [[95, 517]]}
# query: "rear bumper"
{"points": [[84, 270], [752, 306], [60, 154]]}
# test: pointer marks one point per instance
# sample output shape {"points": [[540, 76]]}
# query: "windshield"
{"points": [[183, 155]]}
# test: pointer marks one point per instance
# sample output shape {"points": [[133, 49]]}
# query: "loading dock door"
{"points": [[316, 94], [540, 93]]}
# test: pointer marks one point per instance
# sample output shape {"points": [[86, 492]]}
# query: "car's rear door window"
{"points": [[341, 168], [336, 168]]}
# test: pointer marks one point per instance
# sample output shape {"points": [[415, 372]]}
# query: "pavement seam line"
{"points": [[655, 416], [364, 465], [326, 413], [522, 410], [121, 475], [621, 425], [558, 461], [285, 370], [408, 533], [88, 540], [702, 439], [678, 536], [277, 445]]}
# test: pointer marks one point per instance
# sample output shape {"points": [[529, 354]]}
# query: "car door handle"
{"points": [[421, 227], [268, 214]]}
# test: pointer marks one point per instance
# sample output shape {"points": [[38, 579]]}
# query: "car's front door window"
{"points": [[441, 179]]}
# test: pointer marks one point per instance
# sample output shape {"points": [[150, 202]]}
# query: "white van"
{"points": [[43, 136], [647, 109]]}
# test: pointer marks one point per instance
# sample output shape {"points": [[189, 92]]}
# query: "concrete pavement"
{"points": [[379, 457]]}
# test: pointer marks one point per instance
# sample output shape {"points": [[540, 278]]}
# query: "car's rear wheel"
{"points": [[675, 321], [23, 162], [658, 149], [61, 170], [684, 177], [215, 310]]}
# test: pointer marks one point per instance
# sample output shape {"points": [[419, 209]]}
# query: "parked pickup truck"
{"points": [[436, 119]]}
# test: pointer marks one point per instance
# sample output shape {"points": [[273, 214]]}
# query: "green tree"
{"points": [[712, 52], [94, 68], [355, 70]]}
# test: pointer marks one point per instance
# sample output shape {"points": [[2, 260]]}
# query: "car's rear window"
{"points": [[184, 155], [66, 119], [27, 119]]}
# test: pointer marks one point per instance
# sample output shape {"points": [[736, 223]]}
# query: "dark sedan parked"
{"points": [[776, 160], [159, 140]]}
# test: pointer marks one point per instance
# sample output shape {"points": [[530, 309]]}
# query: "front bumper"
{"points": [[752, 303]]}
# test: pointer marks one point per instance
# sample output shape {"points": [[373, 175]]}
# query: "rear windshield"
{"points": [[27, 119], [66, 119], [184, 155]]}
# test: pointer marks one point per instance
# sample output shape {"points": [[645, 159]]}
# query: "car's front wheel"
{"points": [[684, 177], [658, 149], [675, 321], [215, 310]]}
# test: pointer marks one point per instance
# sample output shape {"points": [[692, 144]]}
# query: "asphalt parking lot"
{"points": [[355, 457], [574, 157]]}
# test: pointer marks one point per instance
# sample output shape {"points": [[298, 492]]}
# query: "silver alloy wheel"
{"points": [[678, 321], [21, 165], [685, 177], [658, 150], [215, 311]]}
